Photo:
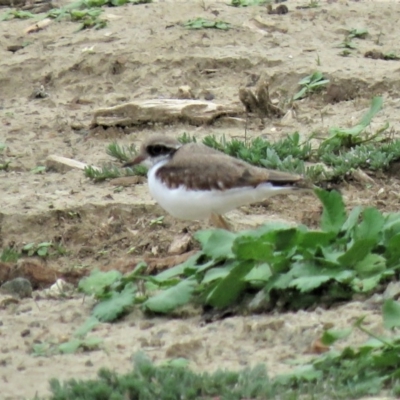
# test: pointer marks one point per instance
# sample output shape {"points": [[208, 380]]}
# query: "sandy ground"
{"points": [[137, 57]]}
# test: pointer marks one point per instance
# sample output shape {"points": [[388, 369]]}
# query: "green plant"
{"points": [[157, 221], [111, 172], [247, 3], [391, 56], [349, 137], [79, 341], [360, 33], [44, 249], [310, 84], [9, 254], [17, 14], [121, 153], [291, 266], [201, 23], [347, 44], [344, 150], [370, 368], [38, 170]]}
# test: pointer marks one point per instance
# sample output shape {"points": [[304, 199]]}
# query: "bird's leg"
{"points": [[219, 222]]}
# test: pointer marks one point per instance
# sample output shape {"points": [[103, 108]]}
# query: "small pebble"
{"points": [[25, 332]]}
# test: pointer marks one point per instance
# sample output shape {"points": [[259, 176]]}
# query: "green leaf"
{"points": [[28, 246], [42, 251], [97, 282], [229, 289], [251, 248], [113, 307], [330, 336], [216, 273], [392, 253], [216, 243], [356, 252], [371, 225], [260, 272], [86, 327], [168, 300], [391, 314], [371, 264], [38, 170], [308, 283], [376, 106], [352, 219], [334, 212], [300, 94], [313, 239], [91, 343], [367, 284], [70, 347]]}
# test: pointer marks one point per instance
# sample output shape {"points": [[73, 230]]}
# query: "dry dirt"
{"points": [[144, 53]]}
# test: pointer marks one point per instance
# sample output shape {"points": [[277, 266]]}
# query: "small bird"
{"points": [[193, 181]]}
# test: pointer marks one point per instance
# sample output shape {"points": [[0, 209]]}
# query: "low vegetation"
{"points": [[331, 158], [346, 374], [201, 23], [87, 12], [289, 267]]}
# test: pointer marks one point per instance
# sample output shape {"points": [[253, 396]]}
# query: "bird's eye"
{"points": [[156, 150]]}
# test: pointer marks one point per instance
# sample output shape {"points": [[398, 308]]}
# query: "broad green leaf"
{"points": [[44, 244], [170, 273], [230, 288], [216, 273], [42, 251], [260, 272], [28, 246], [356, 252], [334, 213], [391, 314], [330, 336], [168, 300], [112, 308], [313, 239], [285, 238], [352, 219], [70, 347], [308, 283], [367, 284], [216, 243], [250, 248], [371, 264], [97, 282], [393, 249], [371, 225]]}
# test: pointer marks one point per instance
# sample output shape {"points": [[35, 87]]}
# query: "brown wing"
{"points": [[201, 168]]}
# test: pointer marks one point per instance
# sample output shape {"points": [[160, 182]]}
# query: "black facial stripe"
{"points": [[158, 150]]}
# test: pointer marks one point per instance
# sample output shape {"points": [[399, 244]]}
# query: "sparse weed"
{"points": [[311, 84], [201, 23]]}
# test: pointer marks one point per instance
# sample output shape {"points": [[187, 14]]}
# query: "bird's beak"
{"points": [[139, 159]]}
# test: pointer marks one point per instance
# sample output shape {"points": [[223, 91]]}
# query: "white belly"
{"points": [[200, 204]]}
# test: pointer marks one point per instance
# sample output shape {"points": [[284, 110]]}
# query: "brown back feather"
{"points": [[199, 167]]}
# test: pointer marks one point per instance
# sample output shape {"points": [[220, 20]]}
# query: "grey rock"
{"points": [[18, 287]]}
